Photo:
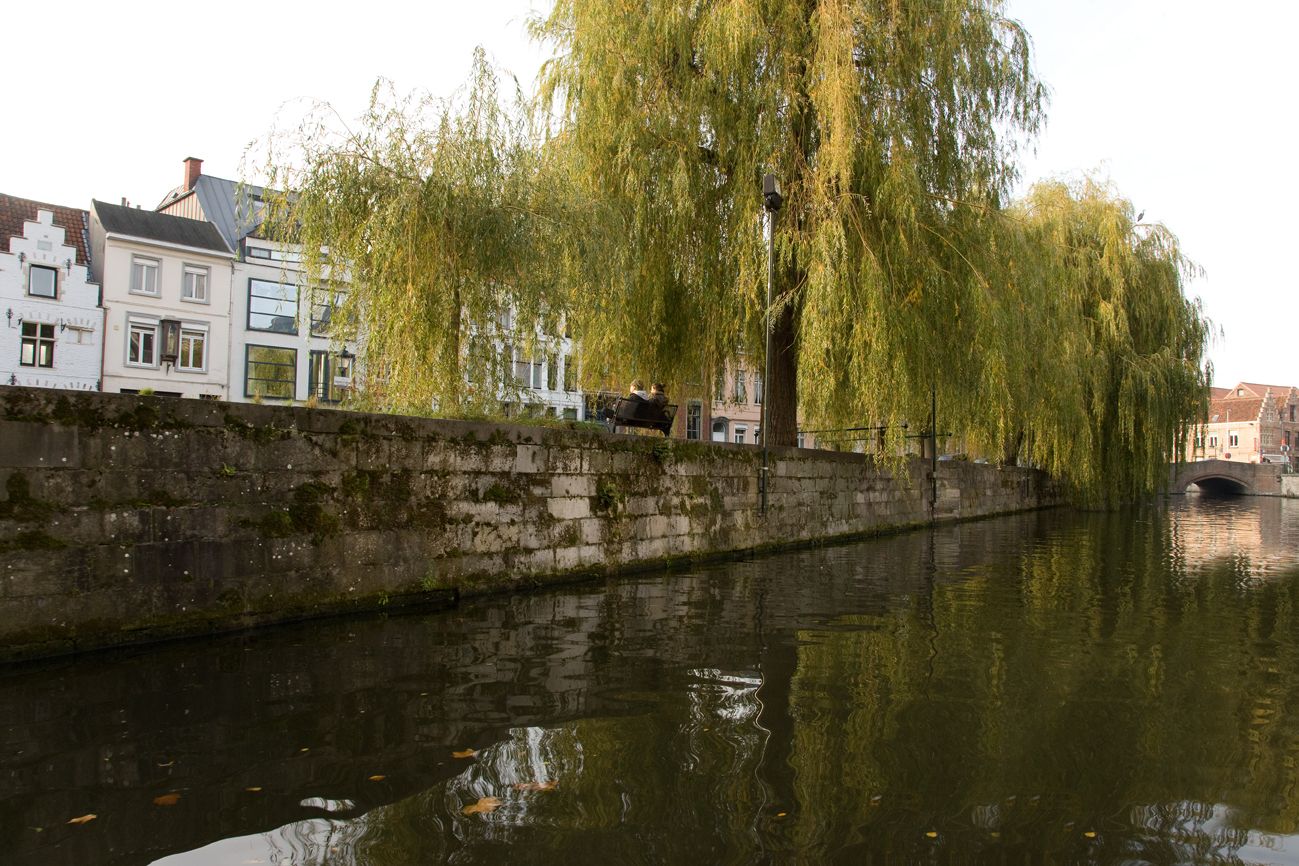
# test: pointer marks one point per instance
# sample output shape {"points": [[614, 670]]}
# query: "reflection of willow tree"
{"points": [[1092, 690]]}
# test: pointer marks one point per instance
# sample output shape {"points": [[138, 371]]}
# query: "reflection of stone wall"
{"points": [[130, 518]]}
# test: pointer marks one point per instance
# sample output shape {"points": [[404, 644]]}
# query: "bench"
{"points": [[631, 412]]}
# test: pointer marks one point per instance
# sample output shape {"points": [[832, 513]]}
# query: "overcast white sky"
{"points": [[1185, 104]]}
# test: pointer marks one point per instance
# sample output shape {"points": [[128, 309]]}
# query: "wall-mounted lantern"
{"points": [[170, 353], [343, 369]]}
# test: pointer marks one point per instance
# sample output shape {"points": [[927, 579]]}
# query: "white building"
{"points": [[282, 341], [166, 296], [53, 324]]}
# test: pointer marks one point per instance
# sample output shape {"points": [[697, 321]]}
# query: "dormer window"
{"points": [[42, 282], [1240, 392]]}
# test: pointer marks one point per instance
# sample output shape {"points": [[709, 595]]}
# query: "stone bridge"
{"points": [[1226, 476]]}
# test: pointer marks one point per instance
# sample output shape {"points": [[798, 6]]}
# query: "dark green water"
{"points": [[1049, 688]]}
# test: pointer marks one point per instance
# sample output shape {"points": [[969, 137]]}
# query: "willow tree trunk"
{"points": [[781, 393]]}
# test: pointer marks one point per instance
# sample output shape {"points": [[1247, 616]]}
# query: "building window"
{"points": [[193, 285], [739, 434], [320, 378], [694, 419], [757, 387], [1233, 440], [193, 350], [42, 282], [1199, 439], [801, 439], [1213, 441], [142, 345], [719, 388], [324, 306], [552, 372], [719, 430], [529, 373], [270, 372], [1291, 411], [570, 374], [271, 255], [1287, 438], [272, 306], [37, 345], [741, 391], [570, 414], [144, 276]]}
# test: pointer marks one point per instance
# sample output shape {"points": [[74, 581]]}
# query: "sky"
{"points": [[1183, 104]]}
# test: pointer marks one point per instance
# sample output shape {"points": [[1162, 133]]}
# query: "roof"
{"points": [[217, 197], [153, 226], [1278, 391], [75, 223], [1215, 393], [1223, 409]]}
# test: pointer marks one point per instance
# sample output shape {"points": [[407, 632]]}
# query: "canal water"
{"points": [[1054, 687]]}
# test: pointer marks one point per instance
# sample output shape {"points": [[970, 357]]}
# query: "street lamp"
{"points": [[771, 202]]}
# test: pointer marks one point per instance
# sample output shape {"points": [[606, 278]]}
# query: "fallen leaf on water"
{"points": [[256, 790], [1090, 834], [377, 778], [168, 764], [781, 814], [37, 829], [84, 819], [166, 799], [465, 753], [303, 749], [485, 805], [548, 785], [932, 834]]}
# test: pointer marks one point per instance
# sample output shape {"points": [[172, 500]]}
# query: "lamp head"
{"points": [[771, 198]]}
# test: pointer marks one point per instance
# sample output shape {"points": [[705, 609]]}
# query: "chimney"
{"points": [[193, 168]]}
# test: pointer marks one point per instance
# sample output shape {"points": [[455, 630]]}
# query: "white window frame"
{"points": [[192, 330], [1233, 440], [197, 272], [54, 275], [142, 325], [739, 431], [142, 265]]}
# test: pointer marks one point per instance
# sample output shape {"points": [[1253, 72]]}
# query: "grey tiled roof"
{"points": [[150, 225]]}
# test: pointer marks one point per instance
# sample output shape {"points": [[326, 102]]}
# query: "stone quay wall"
{"points": [[125, 519]]}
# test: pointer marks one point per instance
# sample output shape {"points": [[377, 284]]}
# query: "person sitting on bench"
{"points": [[658, 396], [637, 390]]}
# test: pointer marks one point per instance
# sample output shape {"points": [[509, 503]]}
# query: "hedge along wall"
{"points": [[125, 518]]}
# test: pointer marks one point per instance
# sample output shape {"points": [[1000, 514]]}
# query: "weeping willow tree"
{"points": [[624, 203], [423, 208], [1104, 352], [891, 127]]}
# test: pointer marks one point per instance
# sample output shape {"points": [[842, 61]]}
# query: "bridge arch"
{"points": [[1226, 477], [1218, 485]]}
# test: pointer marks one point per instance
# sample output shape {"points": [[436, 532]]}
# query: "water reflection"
{"points": [[1054, 686]]}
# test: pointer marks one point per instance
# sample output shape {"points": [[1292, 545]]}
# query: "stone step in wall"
{"points": [[126, 518]]}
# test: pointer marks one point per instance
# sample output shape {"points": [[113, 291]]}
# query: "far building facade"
{"points": [[283, 343], [166, 294], [1249, 423], [53, 323]]}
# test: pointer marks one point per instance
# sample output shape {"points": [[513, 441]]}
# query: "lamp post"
{"points": [[771, 202]]}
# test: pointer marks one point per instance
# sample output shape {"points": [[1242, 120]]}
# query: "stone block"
{"points": [[572, 485], [569, 507], [530, 458]]}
